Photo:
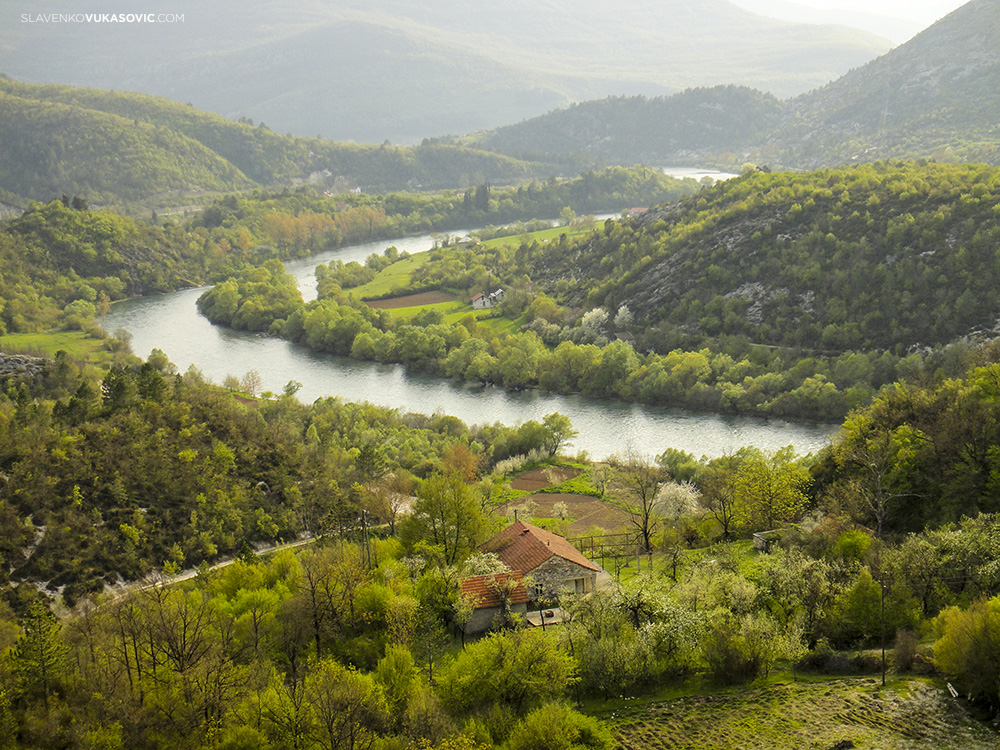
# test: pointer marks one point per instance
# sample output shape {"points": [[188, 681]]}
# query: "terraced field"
{"points": [[843, 713]]}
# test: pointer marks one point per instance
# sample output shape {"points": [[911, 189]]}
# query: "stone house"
{"points": [[494, 597], [554, 566]]}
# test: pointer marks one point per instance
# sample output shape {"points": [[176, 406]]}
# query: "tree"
{"points": [[39, 656], [968, 648], [641, 481], [348, 707], [769, 489], [559, 727], [251, 383], [875, 457], [559, 431], [623, 318], [446, 515], [520, 669], [718, 485], [594, 323]]}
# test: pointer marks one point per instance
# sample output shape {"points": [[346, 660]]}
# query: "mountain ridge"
{"points": [[387, 70], [934, 96]]}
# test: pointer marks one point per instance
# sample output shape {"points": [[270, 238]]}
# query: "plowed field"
{"points": [[806, 716], [412, 300]]}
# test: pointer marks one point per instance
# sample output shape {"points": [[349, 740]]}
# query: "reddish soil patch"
{"points": [[586, 512], [412, 300], [536, 479]]}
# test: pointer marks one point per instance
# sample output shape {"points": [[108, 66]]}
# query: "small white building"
{"points": [[483, 300]]}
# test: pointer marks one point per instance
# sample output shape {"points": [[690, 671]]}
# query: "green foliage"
{"points": [[253, 301], [968, 648], [39, 656], [521, 670], [59, 264], [928, 452], [856, 269], [769, 490], [559, 727]]}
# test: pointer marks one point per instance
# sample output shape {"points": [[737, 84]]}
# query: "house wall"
{"points": [[484, 618], [558, 576]]}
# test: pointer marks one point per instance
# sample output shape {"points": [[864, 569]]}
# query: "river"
{"points": [[171, 322]]}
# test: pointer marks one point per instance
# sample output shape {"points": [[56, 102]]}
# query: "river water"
{"points": [[171, 322]]}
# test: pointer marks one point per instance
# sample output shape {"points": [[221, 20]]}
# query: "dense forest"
{"points": [[891, 255]]}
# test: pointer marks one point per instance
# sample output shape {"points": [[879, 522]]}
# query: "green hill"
{"points": [[48, 148], [709, 123], [886, 256], [117, 148]]}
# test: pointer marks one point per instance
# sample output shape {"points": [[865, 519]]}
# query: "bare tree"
{"points": [[252, 383], [641, 481], [875, 454]]}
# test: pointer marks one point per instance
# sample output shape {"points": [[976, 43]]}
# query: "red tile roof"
{"points": [[524, 547], [481, 588]]}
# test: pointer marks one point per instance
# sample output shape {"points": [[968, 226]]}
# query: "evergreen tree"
{"points": [[39, 656]]}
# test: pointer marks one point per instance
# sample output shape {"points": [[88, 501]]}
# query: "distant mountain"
{"points": [[372, 70], [119, 148], [937, 95], [711, 125]]}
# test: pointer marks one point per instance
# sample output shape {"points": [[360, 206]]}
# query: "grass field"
{"points": [[798, 715], [544, 235], [396, 276], [75, 343]]}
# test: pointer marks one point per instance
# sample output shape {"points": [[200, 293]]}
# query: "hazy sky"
{"points": [[925, 10], [897, 20]]}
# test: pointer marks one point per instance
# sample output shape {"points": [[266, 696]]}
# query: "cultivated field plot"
{"points": [[540, 478], [586, 512], [904, 716], [412, 300]]}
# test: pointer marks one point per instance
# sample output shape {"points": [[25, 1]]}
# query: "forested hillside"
{"points": [[61, 263], [49, 148], [120, 148], [891, 255]]}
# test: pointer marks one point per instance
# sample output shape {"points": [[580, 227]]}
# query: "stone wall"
{"points": [[557, 576], [484, 618], [21, 365]]}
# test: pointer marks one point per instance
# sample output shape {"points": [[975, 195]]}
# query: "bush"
{"points": [[558, 727]]}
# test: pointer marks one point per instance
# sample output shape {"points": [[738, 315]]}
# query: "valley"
{"points": [[515, 438]]}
